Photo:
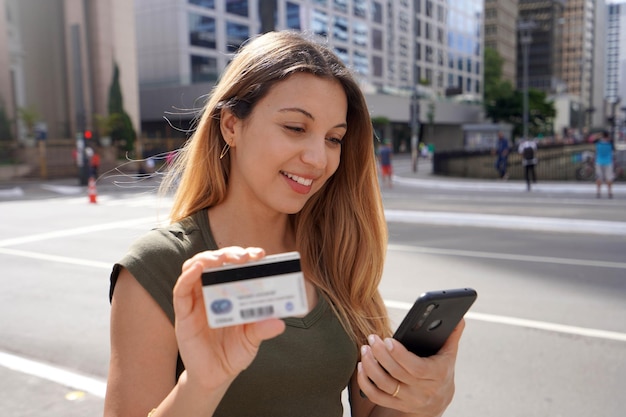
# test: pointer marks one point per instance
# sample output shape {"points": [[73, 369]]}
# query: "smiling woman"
{"points": [[282, 160]]}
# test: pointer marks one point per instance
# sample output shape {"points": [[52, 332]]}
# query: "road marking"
{"points": [[52, 373], [56, 258], [508, 256], [501, 221], [97, 387], [533, 324], [77, 231]]}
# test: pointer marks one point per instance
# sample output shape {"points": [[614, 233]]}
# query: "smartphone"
{"points": [[434, 315], [243, 293]]}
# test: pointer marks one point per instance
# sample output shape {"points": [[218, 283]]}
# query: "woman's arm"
{"points": [[398, 383], [142, 369], [145, 345]]}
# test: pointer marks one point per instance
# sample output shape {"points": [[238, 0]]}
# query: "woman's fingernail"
{"points": [[388, 344], [364, 349], [371, 339]]}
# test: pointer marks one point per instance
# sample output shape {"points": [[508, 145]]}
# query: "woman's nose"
{"points": [[315, 153]]}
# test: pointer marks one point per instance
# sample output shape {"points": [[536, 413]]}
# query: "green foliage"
{"points": [[510, 110], [5, 126], [504, 104], [495, 87], [119, 123], [380, 120], [29, 116]]}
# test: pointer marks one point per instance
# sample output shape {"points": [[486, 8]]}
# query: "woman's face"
{"points": [[289, 146]]}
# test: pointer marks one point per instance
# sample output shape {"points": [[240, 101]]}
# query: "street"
{"points": [[546, 337]]}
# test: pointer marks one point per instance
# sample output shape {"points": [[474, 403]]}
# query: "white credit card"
{"points": [[254, 291]]}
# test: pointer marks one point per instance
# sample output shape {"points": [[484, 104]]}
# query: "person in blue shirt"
{"points": [[502, 156], [604, 163]]}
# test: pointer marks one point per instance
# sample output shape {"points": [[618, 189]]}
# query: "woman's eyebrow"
{"points": [[307, 114]]}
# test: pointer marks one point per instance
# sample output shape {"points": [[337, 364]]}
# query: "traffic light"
{"points": [[87, 134]]}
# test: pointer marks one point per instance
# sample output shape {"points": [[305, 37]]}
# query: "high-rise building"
{"points": [[579, 58], [392, 46], [543, 22], [58, 57], [616, 57], [501, 34]]}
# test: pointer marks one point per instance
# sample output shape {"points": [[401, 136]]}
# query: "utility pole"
{"points": [[81, 117], [415, 111], [525, 28]]}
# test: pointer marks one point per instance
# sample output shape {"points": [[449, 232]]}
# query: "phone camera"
{"points": [[429, 309], [434, 325]]}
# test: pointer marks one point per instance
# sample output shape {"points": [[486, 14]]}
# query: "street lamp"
{"points": [[525, 28]]}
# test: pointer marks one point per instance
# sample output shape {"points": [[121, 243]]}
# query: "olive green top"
{"points": [[301, 373]]}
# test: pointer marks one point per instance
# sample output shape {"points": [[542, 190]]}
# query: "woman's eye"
{"points": [[337, 141], [294, 128]]}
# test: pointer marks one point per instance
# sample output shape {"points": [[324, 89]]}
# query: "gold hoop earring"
{"points": [[224, 150]]}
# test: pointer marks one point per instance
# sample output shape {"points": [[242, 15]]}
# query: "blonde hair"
{"points": [[341, 231]]}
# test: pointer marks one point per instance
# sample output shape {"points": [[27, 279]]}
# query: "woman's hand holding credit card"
{"points": [[244, 293]]}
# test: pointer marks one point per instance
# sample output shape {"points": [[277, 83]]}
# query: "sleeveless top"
{"points": [[301, 372]]}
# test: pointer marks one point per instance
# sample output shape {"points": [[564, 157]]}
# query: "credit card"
{"points": [[254, 291]]}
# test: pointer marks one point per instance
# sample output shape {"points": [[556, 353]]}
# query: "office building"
{"points": [[392, 46], [57, 61], [501, 34]]}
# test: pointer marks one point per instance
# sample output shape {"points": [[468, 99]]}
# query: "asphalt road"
{"points": [[546, 337]]}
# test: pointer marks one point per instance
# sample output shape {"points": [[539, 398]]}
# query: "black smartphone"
{"points": [[434, 315]]}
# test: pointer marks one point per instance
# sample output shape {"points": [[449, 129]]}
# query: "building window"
{"points": [[377, 66], [377, 12], [340, 29], [341, 5], [319, 23], [202, 31], [377, 39], [361, 64], [293, 16], [342, 53], [360, 8], [209, 4], [359, 33], [203, 69], [238, 7], [236, 34]]}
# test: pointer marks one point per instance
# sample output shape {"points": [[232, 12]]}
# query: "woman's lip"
{"points": [[304, 181], [297, 186]]}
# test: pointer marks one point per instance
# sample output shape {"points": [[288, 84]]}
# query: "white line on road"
{"points": [[508, 256], [533, 324], [97, 387], [500, 221], [56, 258], [73, 232], [52, 373]]}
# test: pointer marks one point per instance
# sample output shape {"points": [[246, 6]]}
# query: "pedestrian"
{"points": [[94, 163], [502, 156], [528, 150], [281, 159], [604, 163], [385, 156]]}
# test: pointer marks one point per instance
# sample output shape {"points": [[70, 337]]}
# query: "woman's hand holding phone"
{"points": [[413, 372]]}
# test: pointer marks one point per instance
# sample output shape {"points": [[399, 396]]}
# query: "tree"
{"points": [[495, 87], [510, 110], [5, 126], [504, 104], [29, 116], [122, 132]]}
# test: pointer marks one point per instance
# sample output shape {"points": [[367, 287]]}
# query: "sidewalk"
{"points": [[403, 175], [424, 178]]}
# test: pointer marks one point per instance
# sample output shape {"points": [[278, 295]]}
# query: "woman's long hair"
{"points": [[341, 231]]}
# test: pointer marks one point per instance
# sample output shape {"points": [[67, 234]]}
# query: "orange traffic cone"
{"points": [[93, 194]]}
